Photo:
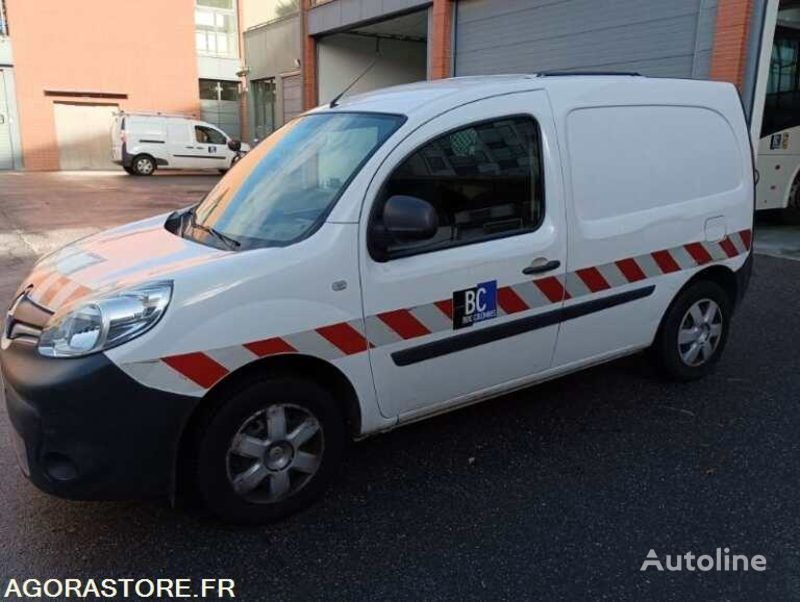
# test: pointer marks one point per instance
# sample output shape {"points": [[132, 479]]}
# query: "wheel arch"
{"points": [[786, 201], [721, 275], [293, 364]]}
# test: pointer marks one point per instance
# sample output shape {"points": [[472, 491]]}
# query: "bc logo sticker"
{"points": [[476, 304]]}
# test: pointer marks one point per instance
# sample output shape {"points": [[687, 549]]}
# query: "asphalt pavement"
{"points": [[555, 492]]}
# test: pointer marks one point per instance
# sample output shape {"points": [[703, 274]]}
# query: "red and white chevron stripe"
{"points": [[202, 369]]}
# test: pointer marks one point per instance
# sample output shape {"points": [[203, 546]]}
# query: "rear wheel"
{"points": [[269, 451], [143, 165], [791, 215], [694, 332]]}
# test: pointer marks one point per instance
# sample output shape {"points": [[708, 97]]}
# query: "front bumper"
{"points": [[86, 430]]}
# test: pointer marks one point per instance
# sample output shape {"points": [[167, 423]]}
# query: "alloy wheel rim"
{"points": [[275, 453], [144, 166], [700, 332]]}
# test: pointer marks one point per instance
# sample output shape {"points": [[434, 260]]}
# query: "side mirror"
{"points": [[407, 218], [235, 145]]}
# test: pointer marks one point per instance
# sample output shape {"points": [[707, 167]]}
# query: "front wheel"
{"points": [[269, 451], [694, 332]]}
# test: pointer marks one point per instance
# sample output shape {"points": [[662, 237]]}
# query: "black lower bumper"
{"points": [[88, 430]]}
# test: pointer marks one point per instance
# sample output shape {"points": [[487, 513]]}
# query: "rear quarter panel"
{"points": [[652, 169]]}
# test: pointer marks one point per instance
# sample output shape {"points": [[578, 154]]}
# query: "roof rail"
{"points": [[566, 73], [158, 114]]}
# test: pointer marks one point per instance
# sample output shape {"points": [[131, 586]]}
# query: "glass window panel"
{"points": [[279, 192], [484, 181], [228, 4]]}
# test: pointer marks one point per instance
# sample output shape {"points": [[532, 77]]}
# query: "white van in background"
{"points": [[142, 143]]}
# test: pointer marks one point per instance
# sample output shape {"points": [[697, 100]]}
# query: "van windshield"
{"points": [[282, 190]]}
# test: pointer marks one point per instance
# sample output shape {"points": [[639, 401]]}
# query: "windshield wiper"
{"points": [[228, 241]]}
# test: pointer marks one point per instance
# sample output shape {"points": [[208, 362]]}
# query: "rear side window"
{"points": [[630, 159], [485, 181]]}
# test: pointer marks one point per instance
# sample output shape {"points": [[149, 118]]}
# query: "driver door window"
{"points": [[484, 180], [206, 135]]}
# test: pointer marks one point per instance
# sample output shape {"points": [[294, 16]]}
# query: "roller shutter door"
{"points": [[653, 37], [84, 135], [6, 150], [292, 97]]}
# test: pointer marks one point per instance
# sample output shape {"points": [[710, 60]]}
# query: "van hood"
{"points": [[114, 259]]}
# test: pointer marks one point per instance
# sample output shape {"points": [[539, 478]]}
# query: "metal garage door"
{"points": [[292, 96], [84, 135], [6, 150], [654, 37]]}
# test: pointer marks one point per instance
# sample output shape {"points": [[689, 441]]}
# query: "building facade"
{"points": [[10, 147], [250, 66], [728, 40], [65, 70], [272, 42], [679, 38]]}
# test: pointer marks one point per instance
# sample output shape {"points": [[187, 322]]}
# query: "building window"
{"points": [[215, 28], [484, 181], [263, 107], [259, 12], [212, 89], [3, 21]]}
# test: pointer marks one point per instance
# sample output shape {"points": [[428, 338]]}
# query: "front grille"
{"points": [[25, 319]]}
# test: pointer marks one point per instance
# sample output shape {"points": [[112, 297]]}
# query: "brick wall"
{"points": [[146, 54], [440, 39], [729, 58], [309, 67]]}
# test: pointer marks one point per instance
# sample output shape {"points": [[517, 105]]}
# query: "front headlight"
{"points": [[104, 322]]}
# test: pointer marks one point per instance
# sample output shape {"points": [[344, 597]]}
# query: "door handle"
{"points": [[541, 265]]}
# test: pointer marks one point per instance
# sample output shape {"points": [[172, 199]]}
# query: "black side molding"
{"points": [[460, 342]]}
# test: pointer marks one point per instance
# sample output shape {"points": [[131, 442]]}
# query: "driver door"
{"points": [[210, 148], [466, 312]]}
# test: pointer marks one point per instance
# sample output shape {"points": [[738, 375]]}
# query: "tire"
{"points": [[250, 469], [701, 333], [790, 215], [129, 169], [143, 165], [234, 161]]}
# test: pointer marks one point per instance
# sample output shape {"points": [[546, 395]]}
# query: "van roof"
{"points": [[433, 97], [146, 115]]}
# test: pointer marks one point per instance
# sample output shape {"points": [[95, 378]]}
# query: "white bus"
{"points": [[779, 147]]}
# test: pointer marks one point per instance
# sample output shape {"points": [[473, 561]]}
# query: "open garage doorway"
{"points": [[400, 45]]}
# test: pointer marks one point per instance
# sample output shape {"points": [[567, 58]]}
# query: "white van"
{"points": [[401, 254], [142, 143]]}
